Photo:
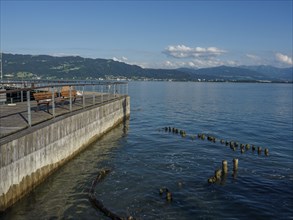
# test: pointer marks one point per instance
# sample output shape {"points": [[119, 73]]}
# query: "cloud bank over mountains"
{"points": [[195, 57], [200, 57], [122, 59], [284, 58], [181, 56], [182, 51]]}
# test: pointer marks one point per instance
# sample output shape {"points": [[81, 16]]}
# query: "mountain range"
{"points": [[19, 66]]}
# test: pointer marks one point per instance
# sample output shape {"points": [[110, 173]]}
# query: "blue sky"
{"points": [[156, 34]]}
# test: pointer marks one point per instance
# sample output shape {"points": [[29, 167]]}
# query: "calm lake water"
{"points": [[144, 158]]}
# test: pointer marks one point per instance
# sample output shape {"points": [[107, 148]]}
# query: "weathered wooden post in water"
{"points": [[225, 166], [259, 150], [218, 174], [235, 164], [169, 196]]}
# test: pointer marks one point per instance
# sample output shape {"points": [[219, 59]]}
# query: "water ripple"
{"points": [[146, 158]]}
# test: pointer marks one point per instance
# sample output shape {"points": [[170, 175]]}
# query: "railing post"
{"points": [[108, 91], [21, 96], [70, 99], [29, 114], [94, 97], [102, 89], [83, 97], [21, 93], [53, 101]]}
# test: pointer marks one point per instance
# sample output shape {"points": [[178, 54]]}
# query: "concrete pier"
{"points": [[28, 156]]}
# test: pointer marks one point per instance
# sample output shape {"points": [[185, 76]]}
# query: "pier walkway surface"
{"points": [[14, 117], [22, 114]]}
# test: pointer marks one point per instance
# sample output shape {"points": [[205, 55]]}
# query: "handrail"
{"points": [[101, 88], [57, 85]]}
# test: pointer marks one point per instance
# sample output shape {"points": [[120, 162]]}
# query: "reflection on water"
{"points": [[145, 158]]}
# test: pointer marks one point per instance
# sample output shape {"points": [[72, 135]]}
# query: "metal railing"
{"points": [[90, 92]]}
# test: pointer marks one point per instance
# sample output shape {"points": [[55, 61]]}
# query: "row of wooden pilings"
{"points": [[233, 144], [219, 173], [224, 171]]}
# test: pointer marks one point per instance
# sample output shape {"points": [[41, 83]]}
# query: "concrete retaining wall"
{"points": [[27, 160]]}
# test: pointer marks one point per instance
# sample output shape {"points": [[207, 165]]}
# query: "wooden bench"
{"points": [[44, 98], [65, 93]]}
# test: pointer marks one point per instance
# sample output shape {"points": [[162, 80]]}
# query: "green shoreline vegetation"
{"points": [[44, 67]]}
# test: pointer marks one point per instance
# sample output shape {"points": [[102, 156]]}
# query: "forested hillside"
{"points": [[18, 66]]}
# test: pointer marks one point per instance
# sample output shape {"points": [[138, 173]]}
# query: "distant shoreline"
{"points": [[44, 67], [152, 80]]}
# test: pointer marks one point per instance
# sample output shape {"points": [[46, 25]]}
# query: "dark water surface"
{"points": [[144, 158]]}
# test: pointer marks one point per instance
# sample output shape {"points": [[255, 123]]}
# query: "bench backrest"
{"points": [[43, 95], [66, 93], [65, 88]]}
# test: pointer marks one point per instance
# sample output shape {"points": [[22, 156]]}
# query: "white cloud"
{"points": [[122, 59], [182, 51], [169, 64], [284, 58], [254, 60], [173, 65], [191, 64], [198, 63], [253, 57], [64, 54]]}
